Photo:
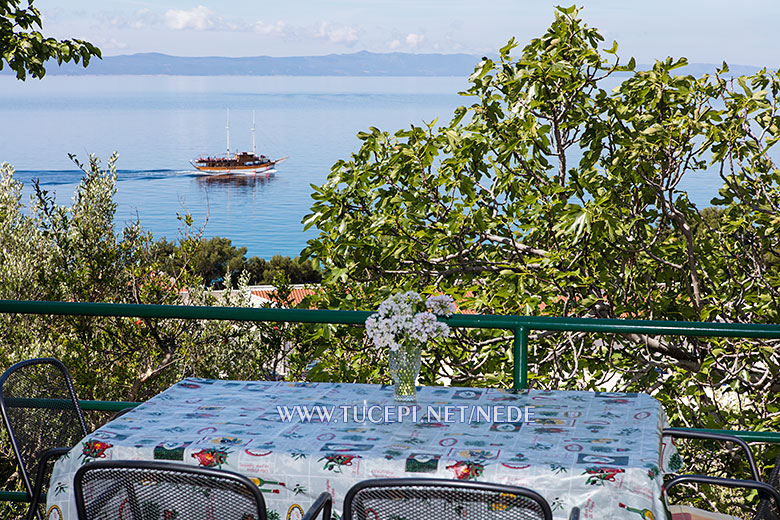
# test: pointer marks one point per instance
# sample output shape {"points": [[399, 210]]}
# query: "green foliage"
{"points": [[25, 49], [555, 193], [216, 258], [295, 270], [249, 350]]}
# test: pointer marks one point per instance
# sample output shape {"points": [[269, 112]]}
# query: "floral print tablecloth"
{"points": [[601, 452]]}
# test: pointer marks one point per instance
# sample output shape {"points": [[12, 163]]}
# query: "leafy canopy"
{"points": [[25, 50], [559, 191]]}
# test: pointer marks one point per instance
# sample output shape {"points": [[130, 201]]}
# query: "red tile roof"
{"points": [[297, 294]]}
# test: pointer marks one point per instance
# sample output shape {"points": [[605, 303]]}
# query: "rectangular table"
{"points": [[601, 452]]}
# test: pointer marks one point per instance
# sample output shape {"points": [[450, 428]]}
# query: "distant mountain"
{"points": [[356, 64], [362, 63], [699, 69]]}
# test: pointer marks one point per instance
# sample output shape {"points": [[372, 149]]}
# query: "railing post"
{"points": [[520, 359]]}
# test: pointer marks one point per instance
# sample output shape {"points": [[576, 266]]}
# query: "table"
{"points": [[602, 452]]}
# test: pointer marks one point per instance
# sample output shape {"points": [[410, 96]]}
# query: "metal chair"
{"points": [[154, 490], [682, 433], [434, 499], [763, 512], [765, 491], [43, 418]]}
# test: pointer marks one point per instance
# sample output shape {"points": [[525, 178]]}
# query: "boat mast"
{"points": [[228, 131], [254, 148]]}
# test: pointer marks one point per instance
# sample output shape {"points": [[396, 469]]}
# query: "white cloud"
{"points": [[144, 18], [199, 18], [414, 40], [141, 19], [336, 33], [277, 28], [410, 42], [111, 44]]}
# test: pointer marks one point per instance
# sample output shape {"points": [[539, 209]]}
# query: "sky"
{"points": [[704, 31]]}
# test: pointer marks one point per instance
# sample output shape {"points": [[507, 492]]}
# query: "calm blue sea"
{"points": [[158, 123]]}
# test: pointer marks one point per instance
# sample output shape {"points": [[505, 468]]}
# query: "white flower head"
{"points": [[442, 305], [403, 320]]}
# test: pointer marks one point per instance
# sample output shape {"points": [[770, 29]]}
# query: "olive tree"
{"points": [[74, 253]]}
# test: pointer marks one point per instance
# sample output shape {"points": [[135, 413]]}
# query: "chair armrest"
{"points": [[688, 434], [324, 504], [764, 490], [575, 514], [35, 499]]}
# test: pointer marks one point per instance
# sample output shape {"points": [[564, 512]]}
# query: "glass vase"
{"points": [[405, 367]]}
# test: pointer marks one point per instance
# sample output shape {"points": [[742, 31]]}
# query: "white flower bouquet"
{"points": [[406, 320]]}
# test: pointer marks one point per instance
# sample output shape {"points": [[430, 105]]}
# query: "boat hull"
{"points": [[236, 169], [233, 170]]}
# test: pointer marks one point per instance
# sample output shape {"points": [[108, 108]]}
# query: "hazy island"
{"points": [[361, 63]]}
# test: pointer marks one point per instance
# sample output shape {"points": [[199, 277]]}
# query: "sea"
{"points": [[157, 124]]}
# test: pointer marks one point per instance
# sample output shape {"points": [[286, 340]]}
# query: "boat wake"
{"points": [[60, 177]]}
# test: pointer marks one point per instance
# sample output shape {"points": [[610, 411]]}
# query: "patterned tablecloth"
{"points": [[602, 452]]}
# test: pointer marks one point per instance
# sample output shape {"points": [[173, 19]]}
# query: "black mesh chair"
{"points": [[682, 433], [768, 494], [43, 419], [154, 490], [435, 499], [765, 510]]}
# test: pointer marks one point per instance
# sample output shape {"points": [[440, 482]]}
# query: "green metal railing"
{"points": [[519, 325], [60, 404]]}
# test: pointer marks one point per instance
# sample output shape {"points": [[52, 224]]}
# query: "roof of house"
{"points": [[266, 293]]}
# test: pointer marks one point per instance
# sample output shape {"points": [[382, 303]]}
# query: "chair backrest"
{"points": [[439, 499], [40, 411], [154, 490]]}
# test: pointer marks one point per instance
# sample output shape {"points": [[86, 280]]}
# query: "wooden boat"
{"points": [[243, 162], [236, 163]]}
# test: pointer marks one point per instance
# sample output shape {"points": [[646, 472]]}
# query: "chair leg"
{"points": [[323, 505], [34, 510]]}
